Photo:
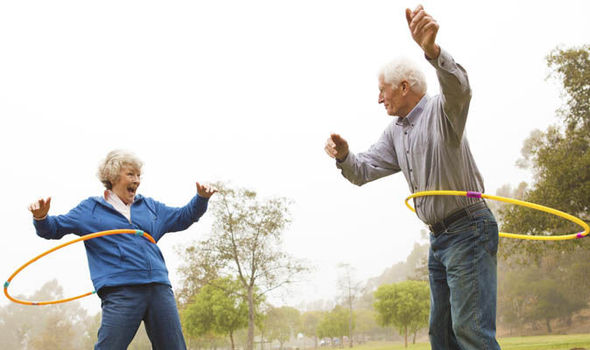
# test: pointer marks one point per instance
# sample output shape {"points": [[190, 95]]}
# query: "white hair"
{"points": [[110, 167], [401, 69]]}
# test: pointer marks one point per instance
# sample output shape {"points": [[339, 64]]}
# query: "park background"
{"points": [[246, 93]]}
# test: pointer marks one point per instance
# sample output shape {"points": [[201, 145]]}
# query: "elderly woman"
{"points": [[128, 272]]}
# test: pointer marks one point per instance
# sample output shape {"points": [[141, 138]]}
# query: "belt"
{"points": [[441, 226]]}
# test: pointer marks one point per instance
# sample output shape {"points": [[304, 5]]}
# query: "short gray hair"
{"points": [[110, 167], [401, 69]]}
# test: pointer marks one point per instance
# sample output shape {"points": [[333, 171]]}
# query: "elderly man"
{"points": [[427, 143], [128, 272]]}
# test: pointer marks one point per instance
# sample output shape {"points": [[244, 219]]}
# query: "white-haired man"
{"points": [[427, 144]]}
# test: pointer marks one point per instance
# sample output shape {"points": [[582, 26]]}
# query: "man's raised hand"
{"points": [[424, 29]]}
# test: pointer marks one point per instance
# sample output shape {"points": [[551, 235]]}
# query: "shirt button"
{"points": [[410, 170]]}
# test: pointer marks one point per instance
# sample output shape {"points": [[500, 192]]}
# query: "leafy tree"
{"points": [[560, 161], [281, 323], [572, 68], [56, 333], [89, 331], [366, 324], [310, 321], [404, 305], [553, 287], [218, 309], [334, 324], [42, 327], [209, 340], [246, 243]]}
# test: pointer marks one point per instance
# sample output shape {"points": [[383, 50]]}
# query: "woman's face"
{"points": [[126, 184]]}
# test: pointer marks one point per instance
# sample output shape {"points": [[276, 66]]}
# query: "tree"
{"points": [[404, 305], [350, 289], [310, 321], [559, 159], [418, 261], [217, 308], [281, 323], [542, 289], [366, 324], [246, 243], [334, 324], [572, 68], [56, 333], [43, 327], [89, 331], [415, 267]]}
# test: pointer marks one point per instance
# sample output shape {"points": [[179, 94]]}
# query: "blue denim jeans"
{"points": [[462, 268], [123, 309]]}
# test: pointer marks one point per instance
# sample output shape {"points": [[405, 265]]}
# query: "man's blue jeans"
{"points": [[462, 267], [123, 309]]}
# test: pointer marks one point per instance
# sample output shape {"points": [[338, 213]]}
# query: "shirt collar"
{"points": [[414, 113], [111, 197]]}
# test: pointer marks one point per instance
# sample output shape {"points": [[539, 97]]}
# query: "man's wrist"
{"points": [[433, 52], [41, 218], [342, 159]]}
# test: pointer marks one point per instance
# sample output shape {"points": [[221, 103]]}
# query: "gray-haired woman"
{"points": [[128, 272]]}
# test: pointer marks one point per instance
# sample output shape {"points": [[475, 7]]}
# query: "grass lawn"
{"points": [[546, 342]]}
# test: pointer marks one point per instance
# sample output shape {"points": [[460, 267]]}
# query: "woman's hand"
{"points": [[40, 208], [205, 191]]}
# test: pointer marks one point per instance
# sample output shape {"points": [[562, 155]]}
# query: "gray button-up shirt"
{"points": [[428, 146]]}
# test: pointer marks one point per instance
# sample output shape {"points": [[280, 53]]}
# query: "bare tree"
{"points": [[351, 290], [246, 243]]}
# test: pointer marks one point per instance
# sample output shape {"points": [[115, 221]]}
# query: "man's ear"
{"points": [[405, 86]]}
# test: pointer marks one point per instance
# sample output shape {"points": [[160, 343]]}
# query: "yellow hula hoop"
{"points": [[83, 238], [472, 194]]}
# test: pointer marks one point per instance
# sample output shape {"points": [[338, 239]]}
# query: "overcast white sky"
{"points": [[247, 92]]}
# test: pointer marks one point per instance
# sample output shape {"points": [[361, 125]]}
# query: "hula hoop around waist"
{"points": [[472, 194], [83, 238]]}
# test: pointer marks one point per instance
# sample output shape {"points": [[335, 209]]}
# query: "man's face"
{"points": [[391, 97], [127, 183]]}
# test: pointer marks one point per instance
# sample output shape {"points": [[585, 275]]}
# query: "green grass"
{"points": [[546, 342]]}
